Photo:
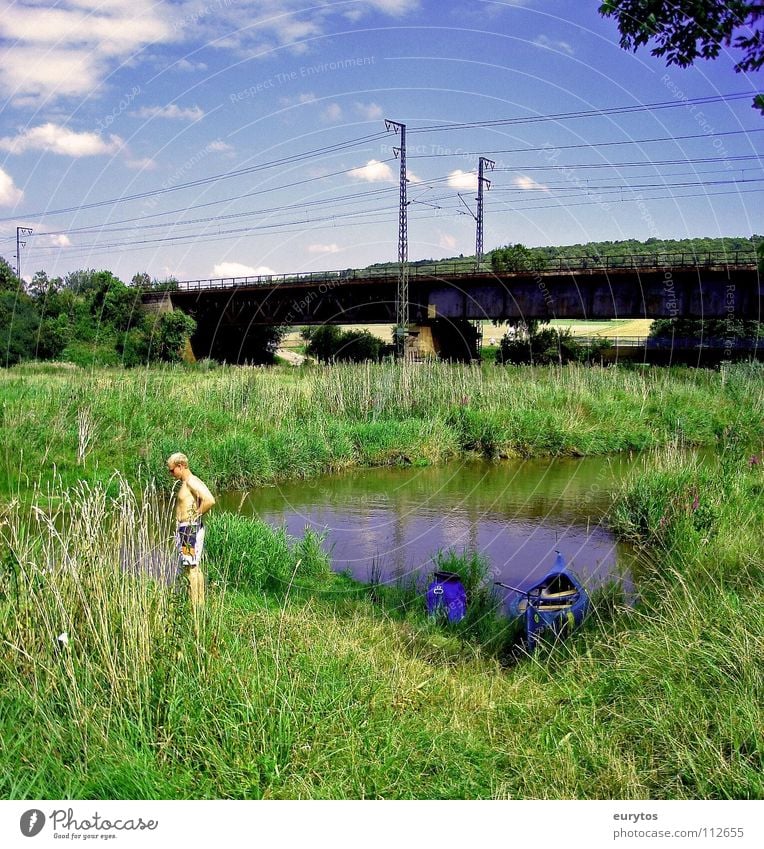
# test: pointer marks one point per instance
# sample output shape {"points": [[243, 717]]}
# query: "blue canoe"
{"points": [[557, 603]]}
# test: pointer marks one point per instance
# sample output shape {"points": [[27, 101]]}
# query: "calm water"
{"points": [[394, 520]]}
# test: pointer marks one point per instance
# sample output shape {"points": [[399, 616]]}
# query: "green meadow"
{"points": [[295, 682]]}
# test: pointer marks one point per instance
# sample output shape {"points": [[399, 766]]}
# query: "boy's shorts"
{"points": [[189, 539]]}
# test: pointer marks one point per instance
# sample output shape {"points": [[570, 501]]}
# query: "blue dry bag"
{"points": [[446, 596]]}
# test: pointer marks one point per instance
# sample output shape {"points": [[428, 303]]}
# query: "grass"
{"points": [[245, 427], [298, 683]]}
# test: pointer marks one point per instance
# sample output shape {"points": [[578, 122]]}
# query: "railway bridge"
{"points": [[230, 312]]}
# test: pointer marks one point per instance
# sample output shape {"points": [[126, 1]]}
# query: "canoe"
{"points": [[557, 603]]}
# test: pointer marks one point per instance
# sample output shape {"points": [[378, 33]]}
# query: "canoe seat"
{"points": [[571, 594]]}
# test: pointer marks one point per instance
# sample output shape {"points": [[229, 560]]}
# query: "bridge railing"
{"points": [[464, 269], [683, 343]]}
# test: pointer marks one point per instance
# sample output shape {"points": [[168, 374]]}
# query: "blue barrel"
{"points": [[447, 597]]}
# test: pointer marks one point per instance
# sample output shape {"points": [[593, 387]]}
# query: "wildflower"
{"points": [[63, 640], [754, 461]]}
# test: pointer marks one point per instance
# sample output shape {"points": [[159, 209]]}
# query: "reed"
{"points": [[297, 684], [248, 426]]}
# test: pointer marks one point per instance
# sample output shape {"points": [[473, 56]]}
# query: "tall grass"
{"points": [[295, 684], [244, 427], [286, 692]]}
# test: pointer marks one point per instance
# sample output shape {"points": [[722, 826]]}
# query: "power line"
{"points": [[649, 163], [287, 160], [591, 113], [579, 146], [434, 202]]}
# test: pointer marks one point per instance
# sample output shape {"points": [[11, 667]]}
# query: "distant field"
{"points": [[607, 329]]}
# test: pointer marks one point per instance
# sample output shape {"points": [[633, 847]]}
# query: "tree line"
{"points": [[88, 318]]}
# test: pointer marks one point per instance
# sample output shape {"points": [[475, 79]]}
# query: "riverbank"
{"points": [[296, 683], [244, 427]]}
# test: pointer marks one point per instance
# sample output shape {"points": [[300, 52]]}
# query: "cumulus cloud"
{"points": [[462, 180], [369, 111], [59, 240], [145, 164], [219, 146], [172, 111], [299, 100], [552, 44], [187, 66], [69, 49], [53, 138], [10, 195], [374, 172], [529, 184], [332, 114], [333, 248], [237, 269]]}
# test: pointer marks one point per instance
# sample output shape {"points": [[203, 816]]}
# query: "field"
{"points": [[297, 683], [606, 329]]}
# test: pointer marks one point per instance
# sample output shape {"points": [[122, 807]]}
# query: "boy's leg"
{"points": [[195, 585]]}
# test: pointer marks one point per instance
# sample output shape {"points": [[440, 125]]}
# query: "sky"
{"points": [[218, 138]]}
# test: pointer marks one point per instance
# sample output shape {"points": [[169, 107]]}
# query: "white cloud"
{"points": [[61, 140], [10, 195], [61, 240], [237, 269], [187, 66], [332, 114], [369, 111], [447, 241], [529, 184], [466, 180], [393, 7], [552, 44], [374, 172], [146, 164], [333, 248], [69, 49], [172, 111], [219, 146], [299, 100]]}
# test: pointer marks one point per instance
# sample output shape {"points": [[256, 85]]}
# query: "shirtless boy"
{"points": [[193, 500]]}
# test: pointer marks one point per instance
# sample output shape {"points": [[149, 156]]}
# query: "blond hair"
{"points": [[177, 459]]}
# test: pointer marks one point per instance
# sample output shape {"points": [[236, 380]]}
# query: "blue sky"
{"points": [[274, 113]]}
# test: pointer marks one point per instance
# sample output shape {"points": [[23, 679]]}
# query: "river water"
{"points": [[390, 522]]}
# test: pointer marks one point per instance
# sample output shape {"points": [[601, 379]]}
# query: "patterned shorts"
{"points": [[189, 539]]}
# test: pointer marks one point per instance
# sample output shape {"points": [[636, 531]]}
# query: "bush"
{"points": [[549, 347], [328, 344], [249, 554]]}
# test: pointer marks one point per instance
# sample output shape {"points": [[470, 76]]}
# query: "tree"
{"points": [[170, 333], [8, 280], [19, 327], [517, 258], [684, 32]]}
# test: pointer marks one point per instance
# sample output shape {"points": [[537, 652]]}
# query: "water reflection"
{"points": [[516, 513]]}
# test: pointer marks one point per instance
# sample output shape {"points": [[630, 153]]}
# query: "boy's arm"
{"points": [[204, 498]]}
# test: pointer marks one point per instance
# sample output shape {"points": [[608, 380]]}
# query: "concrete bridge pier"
{"points": [[446, 339]]}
